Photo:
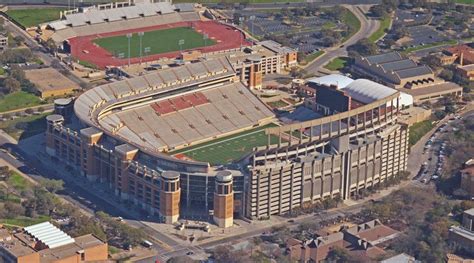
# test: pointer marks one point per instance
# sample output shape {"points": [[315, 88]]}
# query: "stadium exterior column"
{"points": [[224, 200], [170, 195]]}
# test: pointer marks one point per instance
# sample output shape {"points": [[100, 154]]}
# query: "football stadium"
{"points": [[194, 141], [154, 30]]}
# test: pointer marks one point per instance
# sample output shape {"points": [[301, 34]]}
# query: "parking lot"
{"points": [[302, 32], [425, 35]]}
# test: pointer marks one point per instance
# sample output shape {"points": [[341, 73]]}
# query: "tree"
{"points": [[431, 61], [52, 185], [18, 40], [364, 47], [446, 74], [13, 209], [338, 255], [19, 55], [51, 45], [378, 10], [11, 85], [440, 114]]}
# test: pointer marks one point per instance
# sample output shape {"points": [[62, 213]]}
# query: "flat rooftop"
{"points": [[442, 88]]}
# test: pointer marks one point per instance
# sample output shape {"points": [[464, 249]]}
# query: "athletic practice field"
{"points": [[228, 148], [158, 41], [36, 16]]}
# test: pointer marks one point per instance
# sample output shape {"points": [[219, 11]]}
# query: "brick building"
{"points": [[44, 243], [361, 240]]}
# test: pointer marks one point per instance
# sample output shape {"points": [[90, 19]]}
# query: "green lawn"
{"points": [[228, 148], [418, 130], [18, 100], [277, 104], [31, 125], [307, 59], [329, 25], [384, 25], [24, 221], [36, 16], [467, 2], [337, 63], [17, 181], [352, 22], [412, 49], [160, 41]]}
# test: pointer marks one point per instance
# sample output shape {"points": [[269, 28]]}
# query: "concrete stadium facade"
{"points": [[337, 155]]}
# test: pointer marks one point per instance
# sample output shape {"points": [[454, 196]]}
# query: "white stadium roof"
{"points": [[367, 91], [340, 81], [49, 235], [362, 90]]}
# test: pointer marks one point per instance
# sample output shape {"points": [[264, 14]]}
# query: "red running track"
{"points": [[227, 37]]}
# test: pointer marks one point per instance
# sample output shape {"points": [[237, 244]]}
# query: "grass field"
{"points": [[418, 130], [17, 181], [228, 148], [412, 49], [384, 24], [352, 22], [31, 125], [308, 58], [467, 2], [277, 104], [24, 221], [159, 41], [34, 17], [18, 100], [337, 63]]}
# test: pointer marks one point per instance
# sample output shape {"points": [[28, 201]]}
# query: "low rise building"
{"points": [[50, 83], [45, 243], [405, 75], [466, 72], [362, 240], [463, 235], [462, 54]]}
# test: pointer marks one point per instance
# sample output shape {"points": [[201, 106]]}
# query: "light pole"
{"points": [[181, 43], [252, 18], [241, 20], [140, 34], [147, 50], [120, 56], [129, 36], [205, 36]]}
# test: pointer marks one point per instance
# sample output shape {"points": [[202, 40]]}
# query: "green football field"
{"points": [[35, 16], [159, 41], [228, 148]]}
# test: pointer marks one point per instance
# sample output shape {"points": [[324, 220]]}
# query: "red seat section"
{"points": [[179, 103]]}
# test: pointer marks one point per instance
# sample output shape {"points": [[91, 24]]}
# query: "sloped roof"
{"points": [[366, 91], [340, 81], [49, 235], [383, 58]]}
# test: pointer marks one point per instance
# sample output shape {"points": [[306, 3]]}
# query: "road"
{"points": [[367, 27]]}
